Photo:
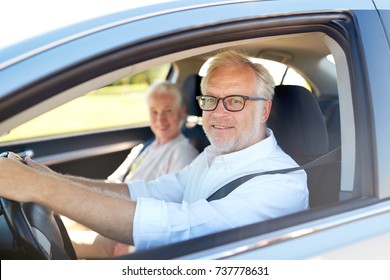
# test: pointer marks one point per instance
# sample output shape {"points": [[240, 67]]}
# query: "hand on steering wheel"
{"points": [[38, 231]]}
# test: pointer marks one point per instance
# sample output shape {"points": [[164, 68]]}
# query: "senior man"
{"points": [[236, 102]]}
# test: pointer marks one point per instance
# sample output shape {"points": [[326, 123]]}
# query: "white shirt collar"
{"points": [[261, 149]]}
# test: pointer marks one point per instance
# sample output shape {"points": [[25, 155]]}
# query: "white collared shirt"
{"points": [[174, 208]]}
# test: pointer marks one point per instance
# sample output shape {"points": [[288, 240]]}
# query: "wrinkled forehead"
{"points": [[231, 80]]}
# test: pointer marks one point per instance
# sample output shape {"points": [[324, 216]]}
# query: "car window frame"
{"points": [[137, 53]]}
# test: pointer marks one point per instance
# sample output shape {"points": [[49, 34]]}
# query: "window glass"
{"points": [[119, 104], [282, 74]]}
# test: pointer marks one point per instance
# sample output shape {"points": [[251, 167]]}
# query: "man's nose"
{"points": [[220, 109]]}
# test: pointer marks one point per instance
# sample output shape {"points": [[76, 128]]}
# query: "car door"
{"points": [[181, 32], [92, 154]]}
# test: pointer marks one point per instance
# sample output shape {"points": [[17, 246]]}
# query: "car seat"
{"points": [[299, 128], [330, 109], [194, 131]]}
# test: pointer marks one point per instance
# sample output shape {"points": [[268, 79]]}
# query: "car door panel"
{"points": [[94, 154]]}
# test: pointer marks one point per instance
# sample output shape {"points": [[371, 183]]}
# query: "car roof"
{"points": [[42, 24], [41, 17], [45, 23]]}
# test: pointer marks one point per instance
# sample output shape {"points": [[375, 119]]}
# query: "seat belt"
{"points": [[145, 145], [331, 157]]}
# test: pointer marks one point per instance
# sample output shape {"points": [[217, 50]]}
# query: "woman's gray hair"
{"points": [[265, 82], [168, 88]]}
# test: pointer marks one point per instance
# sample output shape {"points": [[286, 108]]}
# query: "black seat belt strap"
{"points": [[331, 157]]}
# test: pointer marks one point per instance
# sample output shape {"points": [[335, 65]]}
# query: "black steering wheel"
{"points": [[37, 231]]}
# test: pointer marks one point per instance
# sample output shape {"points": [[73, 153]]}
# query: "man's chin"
{"points": [[223, 146]]}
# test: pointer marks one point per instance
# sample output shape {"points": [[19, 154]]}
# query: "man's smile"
{"points": [[221, 126]]}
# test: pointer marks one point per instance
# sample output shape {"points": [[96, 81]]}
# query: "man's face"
{"points": [[165, 116], [234, 131]]}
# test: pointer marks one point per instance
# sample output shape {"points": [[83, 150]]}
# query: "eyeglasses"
{"points": [[232, 103]]}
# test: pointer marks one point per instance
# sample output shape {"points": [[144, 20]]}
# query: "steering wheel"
{"points": [[38, 232]]}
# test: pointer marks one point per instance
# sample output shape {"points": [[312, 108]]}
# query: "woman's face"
{"points": [[165, 116]]}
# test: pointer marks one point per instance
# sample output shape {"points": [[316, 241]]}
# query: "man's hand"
{"points": [[12, 156], [39, 167], [15, 177]]}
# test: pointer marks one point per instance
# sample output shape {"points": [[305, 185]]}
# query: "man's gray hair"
{"points": [[265, 82]]}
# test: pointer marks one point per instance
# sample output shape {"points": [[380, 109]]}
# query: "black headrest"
{"points": [[191, 88], [298, 124]]}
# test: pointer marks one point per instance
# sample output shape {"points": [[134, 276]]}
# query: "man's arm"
{"points": [[102, 185], [98, 208]]}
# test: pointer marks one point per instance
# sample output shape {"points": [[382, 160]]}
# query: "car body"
{"points": [[48, 70]]}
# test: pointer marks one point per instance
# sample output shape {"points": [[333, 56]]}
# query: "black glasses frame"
{"points": [[224, 102]]}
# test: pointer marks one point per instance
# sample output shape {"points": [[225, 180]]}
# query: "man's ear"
{"points": [[266, 111]]}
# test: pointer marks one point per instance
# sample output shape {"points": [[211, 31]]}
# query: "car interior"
{"points": [[298, 122], [305, 120], [305, 123]]}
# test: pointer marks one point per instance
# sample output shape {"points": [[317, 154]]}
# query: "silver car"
{"points": [[62, 97]]}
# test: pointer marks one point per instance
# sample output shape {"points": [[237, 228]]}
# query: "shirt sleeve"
{"points": [[158, 222], [167, 187]]}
